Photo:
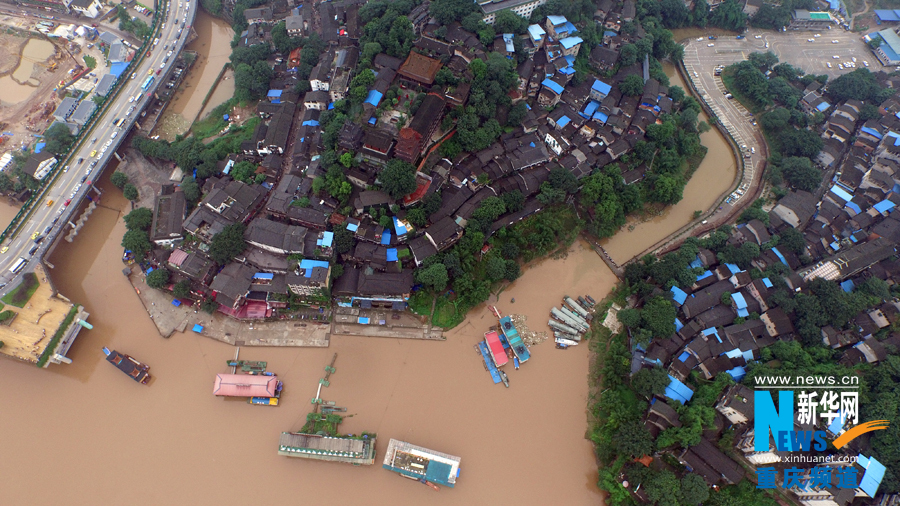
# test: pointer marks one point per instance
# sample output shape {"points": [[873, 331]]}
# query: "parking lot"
{"points": [[792, 47]]}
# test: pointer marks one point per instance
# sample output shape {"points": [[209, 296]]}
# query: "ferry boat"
{"points": [[495, 348], [488, 361], [512, 335], [136, 370], [264, 401]]}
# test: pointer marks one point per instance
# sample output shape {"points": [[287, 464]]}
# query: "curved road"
{"points": [[59, 200]]}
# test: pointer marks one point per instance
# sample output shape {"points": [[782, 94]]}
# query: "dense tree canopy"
{"points": [[800, 172], [228, 243], [58, 138], [139, 219], [398, 179]]}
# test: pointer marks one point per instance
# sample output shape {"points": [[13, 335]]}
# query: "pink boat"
{"points": [[496, 348]]}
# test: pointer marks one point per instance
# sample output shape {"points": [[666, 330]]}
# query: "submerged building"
{"points": [[348, 449], [420, 463]]}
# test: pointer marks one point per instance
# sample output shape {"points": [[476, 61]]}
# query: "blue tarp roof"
{"points": [[310, 122], [854, 206], [399, 228], [198, 328], [733, 268], [39, 147], [738, 299], [330, 105], [386, 237], [893, 135], [553, 85], [840, 192], [696, 263], [704, 275], [678, 295], [678, 391], [570, 28], [392, 254], [610, 33], [353, 227], [372, 120], [263, 275], [176, 302], [780, 256], [590, 108], [274, 93], [821, 107], [601, 116], [847, 286], [884, 206], [118, 68], [684, 356], [326, 240], [678, 325], [563, 121], [373, 98], [308, 265], [873, 475], [767, 282], [362, 320], [872, 132], [601, 87], [737, 373]]}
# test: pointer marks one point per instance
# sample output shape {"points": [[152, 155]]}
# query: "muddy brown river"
{"points": [[83, 434]]}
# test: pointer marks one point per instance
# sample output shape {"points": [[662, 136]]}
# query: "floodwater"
{"points": [[712, 178], [83, 434], [223, 91], [19, 85], [7, 212], [213, 48]]}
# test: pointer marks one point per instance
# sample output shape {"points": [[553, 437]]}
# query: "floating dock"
{"points": [[359, 451], [420, 463]]}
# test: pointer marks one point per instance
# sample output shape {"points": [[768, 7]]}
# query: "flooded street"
{"points": [[713, 178], [213, 48], [173, 442]]}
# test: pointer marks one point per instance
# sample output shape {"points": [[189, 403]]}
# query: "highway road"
{"points": [[51, 214]]}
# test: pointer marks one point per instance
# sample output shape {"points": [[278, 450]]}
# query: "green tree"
{"points": [[343, 239], [398, 178], [119, 179], [137, 242], [650, 382], [130, 192], [244, 171], [191, 189], [664, 488], [182, 289], [800, 172], [513, 200], [630, 317], [495, 268], [507, 21], [632, 85], [658, 316], [434, 276], [209, 305], [633, 441], [58, 138], [139, 219], [228, 243], [792, 240], [158, 279]]}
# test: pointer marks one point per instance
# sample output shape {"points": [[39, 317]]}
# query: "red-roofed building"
{"points": [[414, 138], [423, 181], [245, 385]]}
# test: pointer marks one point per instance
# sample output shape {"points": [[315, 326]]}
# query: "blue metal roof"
{"points": [[684, 356], [392, 254], [601, 117], [696, 263], [852, 205], [840, 192], [739, 301], [737, 373], [733, 268], [609, 33], [386, 237], [536, 32], [570, 28], [884, 206], [767, 282], [704, 275], [374, 97], [847, 286], [887, 15], [678, 391], [310, 122], [678, 325], [399, 228], [274, 93], [353, 227], [821, 107], [553, 85], [780, 256], [326, 240], [563, 121], [310, 264], [678, 295], [872, 132], [263, 275], [872, 477], [601, 87], [118, 68], [570, 42], [373, 120], [557, 20], [589, 109]]}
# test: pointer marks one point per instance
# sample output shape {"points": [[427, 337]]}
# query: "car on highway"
{"points": [[710, 44], [133, 75], [817, 35], [865, 63], [80, 160], [93, 153], [836, 57], [753, 149], [114, 134], [130, 99], [93, 140], [83, 179], [150, 72], [810, 40], [66, 168], [67, 202], [49, 203], [853, 58], [767, 45], [699, 39], [155, 41], [4, 249], [840, 66], [835, 41], [757, 36], [93, 164], [828, 64], [35, 235]]}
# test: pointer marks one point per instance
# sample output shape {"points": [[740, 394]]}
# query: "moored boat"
{"points": [[495, 348], [504, 378], [515, 341], [134, 369]]}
